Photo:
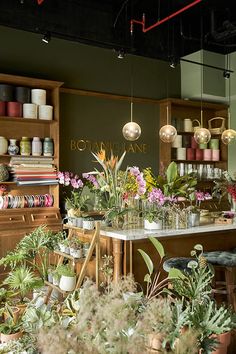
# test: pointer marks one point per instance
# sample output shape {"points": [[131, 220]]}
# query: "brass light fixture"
{"points": [[167, 133], [229, 135], [131, 130]]}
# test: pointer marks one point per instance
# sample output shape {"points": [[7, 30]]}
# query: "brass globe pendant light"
{"points": [[229, 135], [167, 133], [131, 130]]}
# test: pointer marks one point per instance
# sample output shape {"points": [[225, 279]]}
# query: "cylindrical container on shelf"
{"points": [[25, 146], [202, 146], [22, 94], [173, 153], [177, 143], [3, 145], [199, 154], [38, 96], [37, 146], [14, 109], [215, 154], [214, 144], [46, 112], [181, 154], [194, 144], [186, 141], [2, 108], [48, 147], [207, 154], [188, 125], [30, 110], [13, 149], [6, 92], [190, 154]]}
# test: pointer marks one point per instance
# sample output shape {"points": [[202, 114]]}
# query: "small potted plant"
{"points": [[55, 277], [64, 246], [154, 210], [88, 223], [68, 277], [50, 273], [76, 248], [10, 329]]}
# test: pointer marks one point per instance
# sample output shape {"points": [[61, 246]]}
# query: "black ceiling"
{"points": [[210, 24]]}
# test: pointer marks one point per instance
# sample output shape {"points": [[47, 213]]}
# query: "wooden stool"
{"points": [[224, 262]]}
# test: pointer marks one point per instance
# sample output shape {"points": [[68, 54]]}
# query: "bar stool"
{"points": [[224, 262]]}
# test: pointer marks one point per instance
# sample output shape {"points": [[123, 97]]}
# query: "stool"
{"points": [[224, 261], [178, 263]]}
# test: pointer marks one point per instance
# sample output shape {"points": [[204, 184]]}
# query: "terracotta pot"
{"points": [[154, 342], [224, 340], [7, 337], [16, 313]]}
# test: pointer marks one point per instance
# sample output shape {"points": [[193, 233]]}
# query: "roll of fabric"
{"points": [[177, 143], [6, 93], [190, 154], [207, 154], [38, 96], [22, 94], [194, 144], [202, 146], [186, 141], [188, 125], [30, 110], [214, 144], [2, 108], [215, 154], [181, 153], [46, 112], [14, 109], [199, 154]]}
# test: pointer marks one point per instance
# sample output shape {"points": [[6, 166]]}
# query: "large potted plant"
{"points": [[67, 277]]}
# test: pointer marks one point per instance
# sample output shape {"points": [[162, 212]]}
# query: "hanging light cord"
{"points": [[229, 112], [201, 70]]}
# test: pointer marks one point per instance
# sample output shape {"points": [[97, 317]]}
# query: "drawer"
{"points": [[45, 218], [12, 221]]}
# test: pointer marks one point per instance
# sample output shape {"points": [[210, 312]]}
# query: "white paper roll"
{"points": [[38, 96], [30, 110], [45, 112], [177, 143], [181, 153]]}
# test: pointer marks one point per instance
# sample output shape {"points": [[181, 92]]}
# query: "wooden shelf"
{"points": [[199, 161], [30, 156], [66, 255], [26, 120], [55, 287]]}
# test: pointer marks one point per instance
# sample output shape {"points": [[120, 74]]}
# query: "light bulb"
{"points": [[167, 133], [131, 131], [202, 136], [228, 136]]}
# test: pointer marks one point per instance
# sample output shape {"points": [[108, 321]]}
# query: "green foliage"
{"points": [[66, 270], [21, 280], [36, 318], [77, 201], [11, 324]]}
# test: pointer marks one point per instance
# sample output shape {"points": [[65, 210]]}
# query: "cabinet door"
{"points": [[12, 220], [47, 217]]}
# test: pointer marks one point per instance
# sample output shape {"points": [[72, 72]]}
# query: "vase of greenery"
{"points": [[88, 223], [76, 247]]}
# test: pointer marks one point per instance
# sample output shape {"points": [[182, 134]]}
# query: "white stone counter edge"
{"points": [[141, 234]]}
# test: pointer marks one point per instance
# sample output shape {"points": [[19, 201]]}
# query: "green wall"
{"points": [[97, 69], [232, 148]]}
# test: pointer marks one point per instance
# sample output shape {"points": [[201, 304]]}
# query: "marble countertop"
{"points": [[139, 234]]}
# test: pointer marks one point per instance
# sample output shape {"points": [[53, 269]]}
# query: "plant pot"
{"points": [[67, 283], [76, 253], [85, 250], [193, 219], [50, 278], [72, 221], [79, 222], [88, 224], [154, 225], [64, 248], [55, 280], [224, 342], [16, 313], [7, 337], [154, 342]]}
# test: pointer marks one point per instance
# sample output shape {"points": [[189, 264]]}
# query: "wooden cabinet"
{"points": [[16, 221]]}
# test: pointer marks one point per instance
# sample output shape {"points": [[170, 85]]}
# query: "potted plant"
{"points": [[11, 328], [68, 277], [88, 223], [22, 281], [86, 246], [76, 247], [56, 277], [64, 246], [154, 210]]}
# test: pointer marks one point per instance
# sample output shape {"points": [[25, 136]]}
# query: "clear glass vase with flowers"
{"points": [[154, 210], [76, 203], [196, 198]]}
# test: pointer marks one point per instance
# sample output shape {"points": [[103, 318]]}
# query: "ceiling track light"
{"points": [[47, 37]]}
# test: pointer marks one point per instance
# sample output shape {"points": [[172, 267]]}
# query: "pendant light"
{"points": [[131, 130], [202, 135], [229, 135], [167, 133]]}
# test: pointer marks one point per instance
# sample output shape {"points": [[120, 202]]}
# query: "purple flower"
{"points": [[134, 171], [156, 196]]}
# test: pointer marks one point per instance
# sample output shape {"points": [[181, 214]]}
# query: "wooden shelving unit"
{"points": [[16, 222]]}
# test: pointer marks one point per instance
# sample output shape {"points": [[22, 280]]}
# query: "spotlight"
{"points": [[120, 54], [47, 37], [226, 74]]}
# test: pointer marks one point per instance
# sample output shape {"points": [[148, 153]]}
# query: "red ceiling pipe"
{"points": [[195, 2]]}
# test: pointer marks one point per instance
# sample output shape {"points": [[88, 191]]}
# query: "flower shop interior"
{"points": [[117, 177]]}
